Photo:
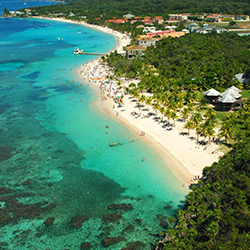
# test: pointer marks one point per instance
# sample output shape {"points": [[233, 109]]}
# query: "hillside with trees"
{"points": [[216, 214], [108, 8], [204, 61]]}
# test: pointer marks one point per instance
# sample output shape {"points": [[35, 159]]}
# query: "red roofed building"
{"points": [[148, 21], [159, 33], [158, 19], [115, 21]]}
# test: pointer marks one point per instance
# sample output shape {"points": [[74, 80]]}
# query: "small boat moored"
{"points": [[78, 51]]}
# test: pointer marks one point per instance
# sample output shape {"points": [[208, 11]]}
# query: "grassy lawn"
{"points": [[220, 115], [245, 93]]}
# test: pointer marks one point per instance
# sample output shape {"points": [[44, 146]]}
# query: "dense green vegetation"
{"points": [[203, 61], [110, 8], [216, 214]]}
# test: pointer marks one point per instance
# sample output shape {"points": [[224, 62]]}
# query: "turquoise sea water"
{"points": [[13, 5], [55, 159]]}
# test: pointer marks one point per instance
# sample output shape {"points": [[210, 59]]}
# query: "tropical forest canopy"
{"points": [[216, 214], [207, 61], [110, 8]]}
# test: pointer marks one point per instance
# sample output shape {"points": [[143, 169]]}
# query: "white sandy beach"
{"points": [[181, 153], [184, 157]]}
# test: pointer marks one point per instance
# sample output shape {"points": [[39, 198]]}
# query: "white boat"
{"points": [[59, 38], [78, 51]]}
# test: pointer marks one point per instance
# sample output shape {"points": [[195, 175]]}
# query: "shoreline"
{"points": [[121, 39], [184, 158], [182, 155]]}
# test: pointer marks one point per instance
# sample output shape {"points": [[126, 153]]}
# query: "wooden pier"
{"points": [[91, 53]]}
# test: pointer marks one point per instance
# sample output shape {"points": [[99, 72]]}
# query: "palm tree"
{"points": [[173, 116], [196, 118], [162, 110], [156, 107], [199, 129], [210, 132], [148, 101], [190, 106], [135, 93], [142, 99], [167, 113], [189, 125], [185, 113], [210, 114], [227, 130]]}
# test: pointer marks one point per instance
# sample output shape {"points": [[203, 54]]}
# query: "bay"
{"points": [[55, 157]]}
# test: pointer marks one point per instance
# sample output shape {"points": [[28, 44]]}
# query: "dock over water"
{"points": [[91, 53]]}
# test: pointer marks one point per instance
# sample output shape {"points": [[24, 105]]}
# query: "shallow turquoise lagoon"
{"points": [[61, 183]]}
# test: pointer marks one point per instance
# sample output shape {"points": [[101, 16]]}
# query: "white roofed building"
{"points": [[229, 98], [212, 95]]}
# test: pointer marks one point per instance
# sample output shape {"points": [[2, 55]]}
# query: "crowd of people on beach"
{"points": [[111, 88]]}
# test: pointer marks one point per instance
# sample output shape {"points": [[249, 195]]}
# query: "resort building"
{"points": [[158, 19], [242, 17], [212, 95], [229, 99], [173, 27], [193, 26], [133, 51], [177, 17], [149, 29], [241, 77], [128, 16], [146, 41], [115, 21], [166, 33]]}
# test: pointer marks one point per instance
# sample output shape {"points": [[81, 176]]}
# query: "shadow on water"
{"points": [[31, 76]]}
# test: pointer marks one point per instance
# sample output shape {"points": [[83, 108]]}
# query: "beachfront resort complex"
{"points": [[124, 126]]}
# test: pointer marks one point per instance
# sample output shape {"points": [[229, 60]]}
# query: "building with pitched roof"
{"points": [[212, 95], [133, 51], [128, 16], [158, 19], [146, 41], [229, 99]]}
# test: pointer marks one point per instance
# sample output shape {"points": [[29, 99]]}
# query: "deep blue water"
{"points": [[13, 5], [55, 159]]}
